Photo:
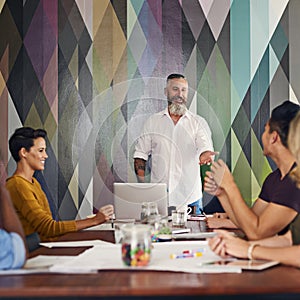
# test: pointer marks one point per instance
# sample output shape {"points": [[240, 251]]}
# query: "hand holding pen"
{"points": [[107, 211]]}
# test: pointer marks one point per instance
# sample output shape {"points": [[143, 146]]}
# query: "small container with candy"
{"points": [[136, 244]]}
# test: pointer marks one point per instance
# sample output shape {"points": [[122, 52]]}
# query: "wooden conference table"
{"points": [[279, 282]]}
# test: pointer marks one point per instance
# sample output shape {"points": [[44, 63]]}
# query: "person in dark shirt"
{"points": [[278, 202], [277, 248]]}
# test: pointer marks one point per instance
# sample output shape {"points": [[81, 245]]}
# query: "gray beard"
{"points": [[177, 109]]}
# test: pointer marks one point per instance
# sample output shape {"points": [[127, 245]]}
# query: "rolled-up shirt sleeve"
{"points": [[143, 144], [203, 137], [13, 253]]}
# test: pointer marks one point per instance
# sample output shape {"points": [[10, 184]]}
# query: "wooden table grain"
{"points": [[279, 282]]}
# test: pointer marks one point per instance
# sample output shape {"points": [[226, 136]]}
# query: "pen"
{"points": [[112, 220], [203, 213], [185, 255]]}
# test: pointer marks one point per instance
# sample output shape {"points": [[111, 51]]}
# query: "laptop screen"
{"points": [[128, 198]]}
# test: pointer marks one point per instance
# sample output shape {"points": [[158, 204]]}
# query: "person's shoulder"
{"points": [[195, 116], [15, 179], [201, 121], [160, 113], [11, 181], [3, 234], [157, 115], [274, 174], [275, 178], [8, 235], [4, 239], [17, 182], [18, 250]]}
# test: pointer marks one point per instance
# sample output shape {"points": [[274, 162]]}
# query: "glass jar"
{"points": [[149, 212], [145, 212], [136, 244], [153, 210]]}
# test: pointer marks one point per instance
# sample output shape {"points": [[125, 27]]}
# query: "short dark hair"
{"points": [[281, 117], [24, 138], [175, 75]]}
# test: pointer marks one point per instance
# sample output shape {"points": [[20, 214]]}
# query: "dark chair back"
{"points": [[32, 241]]}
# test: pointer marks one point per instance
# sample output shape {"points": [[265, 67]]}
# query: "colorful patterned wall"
{"points": [[90, 72]]}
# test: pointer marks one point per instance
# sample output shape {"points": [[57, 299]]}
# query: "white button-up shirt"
{"points": [[175, 151]]}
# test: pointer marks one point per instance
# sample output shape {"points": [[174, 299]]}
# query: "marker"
{"points": [[174, 256], [194, 251], [186, 254]]}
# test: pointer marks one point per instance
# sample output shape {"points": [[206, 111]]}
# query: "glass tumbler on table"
{"points": [[149, 212]]}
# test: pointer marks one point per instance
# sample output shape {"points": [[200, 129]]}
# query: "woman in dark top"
{"points": [[277, 248]]}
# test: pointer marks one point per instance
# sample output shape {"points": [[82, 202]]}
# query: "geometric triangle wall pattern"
{"points": [[91, 72]]}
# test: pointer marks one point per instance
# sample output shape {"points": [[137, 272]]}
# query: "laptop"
{"points": [[128, 198]]}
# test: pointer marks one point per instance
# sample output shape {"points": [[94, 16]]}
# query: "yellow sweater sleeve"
{"points": [[33, 209]]}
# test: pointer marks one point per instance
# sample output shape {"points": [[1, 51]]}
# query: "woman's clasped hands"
{"points": [[226, 244]]}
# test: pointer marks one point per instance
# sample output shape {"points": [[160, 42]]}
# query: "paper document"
{"points": [[196, 236], [75, 244], [163, 258], [38, 264], [180, 256], [111, 225]]}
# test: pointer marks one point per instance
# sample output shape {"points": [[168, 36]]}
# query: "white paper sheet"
{"points": [[109, 258], [75, 244], [104, 226], [38, 264], [45, 261]]}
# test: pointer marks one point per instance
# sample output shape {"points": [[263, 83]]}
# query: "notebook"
{"points": [[254, 265], [128, 198]]}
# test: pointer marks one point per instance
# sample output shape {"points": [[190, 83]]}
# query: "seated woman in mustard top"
{"points": [[28, 148]]}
